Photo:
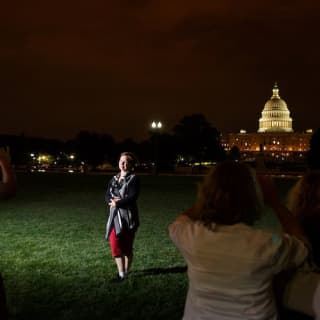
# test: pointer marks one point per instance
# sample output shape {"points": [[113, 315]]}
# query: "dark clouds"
{"points": [[113, 66]]}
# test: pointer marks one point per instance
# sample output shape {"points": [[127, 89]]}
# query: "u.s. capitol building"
{"points": [[275, 136]]}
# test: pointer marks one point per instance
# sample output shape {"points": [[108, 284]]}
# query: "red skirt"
{"points": [[123, 245]]}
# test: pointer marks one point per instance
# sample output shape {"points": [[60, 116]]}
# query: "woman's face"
{"points": [[125, 164]]}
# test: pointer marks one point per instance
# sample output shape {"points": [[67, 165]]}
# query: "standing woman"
{"points": [[121, 197]]}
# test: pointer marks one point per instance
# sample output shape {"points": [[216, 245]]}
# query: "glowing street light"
{"points": [[155, 126]]}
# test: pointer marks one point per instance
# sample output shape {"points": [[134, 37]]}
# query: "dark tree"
{"points": [[93, 148], [43, 145], [197, 140], [166, 152], [126, 145], [18, 147], [21, 146], [145, 152]]}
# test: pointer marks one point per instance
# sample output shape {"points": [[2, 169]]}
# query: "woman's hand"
{"points": [[288, 221], [113, 202]]}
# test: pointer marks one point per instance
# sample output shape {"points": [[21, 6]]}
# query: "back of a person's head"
{"points": [[305, 196], [228, 195]]}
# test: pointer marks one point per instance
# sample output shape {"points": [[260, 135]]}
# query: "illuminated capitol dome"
{"points": [[275, 115], [275, 136]]}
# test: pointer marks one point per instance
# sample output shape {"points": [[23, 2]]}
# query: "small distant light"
{"points": [[243, 131]]}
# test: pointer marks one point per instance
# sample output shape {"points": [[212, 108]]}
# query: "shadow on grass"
{"points": [[159, 271]]}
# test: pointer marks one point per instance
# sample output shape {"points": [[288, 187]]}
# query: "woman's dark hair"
{"points": [[228, 195]]}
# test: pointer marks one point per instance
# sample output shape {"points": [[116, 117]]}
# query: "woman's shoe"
{"points": [[117, 278]]}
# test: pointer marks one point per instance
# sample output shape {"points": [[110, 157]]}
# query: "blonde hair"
{"points": [[228, 195]]}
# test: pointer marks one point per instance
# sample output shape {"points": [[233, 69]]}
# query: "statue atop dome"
{"points": [[275, 91], [275, 116]]}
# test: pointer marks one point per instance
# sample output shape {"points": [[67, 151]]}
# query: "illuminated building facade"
{"points": [[275, 136]]}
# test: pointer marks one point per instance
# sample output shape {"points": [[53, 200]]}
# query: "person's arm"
{"points": [[288, 221], [108, 196], [8, 181]]}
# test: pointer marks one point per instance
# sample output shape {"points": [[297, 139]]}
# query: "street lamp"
{"points": [[155, 127]]}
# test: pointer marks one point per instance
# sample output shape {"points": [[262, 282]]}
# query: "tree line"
{"points": [[192, 140]]}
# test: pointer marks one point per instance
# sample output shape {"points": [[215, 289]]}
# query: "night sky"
{"points": [[114, 66]]}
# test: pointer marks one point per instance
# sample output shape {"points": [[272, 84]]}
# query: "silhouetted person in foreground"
{"points": [[314, 151], [231, 265], [7, 178], [3, 305], [7, 190], [304, 202]]}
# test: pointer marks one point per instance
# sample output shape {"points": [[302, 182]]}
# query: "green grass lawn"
{"points": [[57, 265]]}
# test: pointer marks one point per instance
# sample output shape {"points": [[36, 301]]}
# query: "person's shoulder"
{"points": [[184, 219], [268, 244], [133, 177], [113, 178], [263, 237], [181, 224]]}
